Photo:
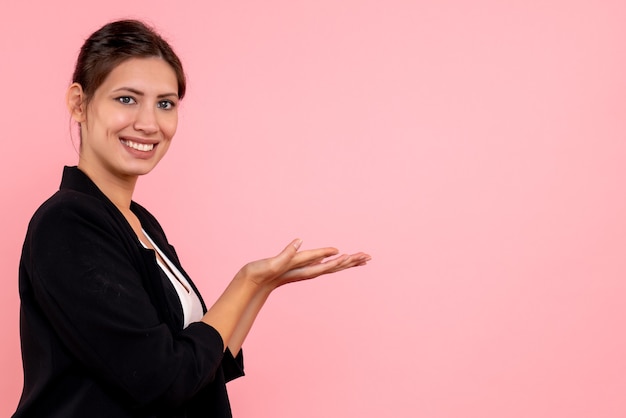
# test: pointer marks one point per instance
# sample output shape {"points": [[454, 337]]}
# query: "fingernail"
{"points": [[297, 243]]}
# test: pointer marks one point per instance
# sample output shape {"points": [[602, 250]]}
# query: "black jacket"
{"points": [[101, 325]]}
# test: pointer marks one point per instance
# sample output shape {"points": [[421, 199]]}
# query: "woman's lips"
{"points": [[137, 145]]}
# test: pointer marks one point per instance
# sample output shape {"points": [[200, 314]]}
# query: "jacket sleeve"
{"points": [[232, 365], [87, 281]]}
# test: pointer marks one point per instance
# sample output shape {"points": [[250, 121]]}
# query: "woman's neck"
{"points": [[118, 189]]}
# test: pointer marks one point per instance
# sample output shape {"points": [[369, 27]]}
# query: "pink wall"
{"points": [[476, 149]]}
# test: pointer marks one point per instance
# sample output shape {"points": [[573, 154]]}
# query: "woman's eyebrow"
{"points": [[140, 93]]}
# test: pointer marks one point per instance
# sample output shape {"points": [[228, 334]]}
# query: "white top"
{"points": [[189, 300]]}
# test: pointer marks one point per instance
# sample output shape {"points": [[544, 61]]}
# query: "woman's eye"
{"points": [[165, 104], [126, 100]]}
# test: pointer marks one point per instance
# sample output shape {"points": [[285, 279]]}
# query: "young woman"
{"points": [[111, 325]]}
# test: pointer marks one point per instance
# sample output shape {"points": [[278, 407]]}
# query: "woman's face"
{"points": [[130, 119]]}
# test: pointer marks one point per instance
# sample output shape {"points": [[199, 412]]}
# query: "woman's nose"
{"points": [[146, 120]]}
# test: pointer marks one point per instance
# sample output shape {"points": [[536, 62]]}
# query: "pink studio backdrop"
{"points": [[476, 149]]}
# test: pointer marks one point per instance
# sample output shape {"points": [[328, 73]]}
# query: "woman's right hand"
{"points": [[292, 265], [233, 314]]}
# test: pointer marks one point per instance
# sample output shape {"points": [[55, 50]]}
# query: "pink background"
{"points": [[476, 149]]}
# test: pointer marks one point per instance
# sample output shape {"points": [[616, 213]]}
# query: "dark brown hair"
{"points": [[116, 42]]}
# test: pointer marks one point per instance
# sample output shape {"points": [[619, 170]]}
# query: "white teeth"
{"points": [[137, 146]]}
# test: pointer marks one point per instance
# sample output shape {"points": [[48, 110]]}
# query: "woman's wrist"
{"points": [[257, 285]]}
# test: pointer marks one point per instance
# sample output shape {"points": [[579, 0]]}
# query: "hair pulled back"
{"points": [[115, 43]]}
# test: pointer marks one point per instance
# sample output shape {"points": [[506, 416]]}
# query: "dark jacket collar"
{"points": [[75, 179]]}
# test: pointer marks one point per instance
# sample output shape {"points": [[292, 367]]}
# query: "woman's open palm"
{"points": [[292, 265]]}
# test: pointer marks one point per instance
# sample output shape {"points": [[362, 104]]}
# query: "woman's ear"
{"points": [[76, 103]]}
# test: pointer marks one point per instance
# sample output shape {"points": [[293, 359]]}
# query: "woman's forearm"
{"points": [[247, 320], [233, 314], [230, 309]]}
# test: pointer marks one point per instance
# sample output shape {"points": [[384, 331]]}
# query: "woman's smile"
{"points": [[136, 145]]}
